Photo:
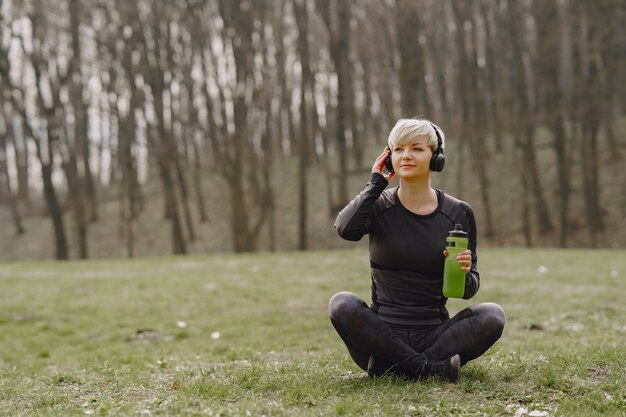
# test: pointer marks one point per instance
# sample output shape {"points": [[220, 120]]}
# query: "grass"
{"points": [[248, 335]]}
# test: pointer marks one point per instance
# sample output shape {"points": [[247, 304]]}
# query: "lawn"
{"points": [[248, 335]]}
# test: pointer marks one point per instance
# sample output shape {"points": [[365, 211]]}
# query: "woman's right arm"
{"points": [[355, 219]]}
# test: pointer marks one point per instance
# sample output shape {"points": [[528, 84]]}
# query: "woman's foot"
{"points": [[449, 368]]}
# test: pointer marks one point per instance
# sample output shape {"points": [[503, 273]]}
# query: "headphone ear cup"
{"points": [[437, 162], [388, 164]]}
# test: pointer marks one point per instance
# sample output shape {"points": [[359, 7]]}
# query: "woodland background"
{"points": [[131, 128]]}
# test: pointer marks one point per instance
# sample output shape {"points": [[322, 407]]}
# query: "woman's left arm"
{"points": [[470, 258]]}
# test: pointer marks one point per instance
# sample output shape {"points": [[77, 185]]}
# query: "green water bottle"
{"points": [[453, 275]]}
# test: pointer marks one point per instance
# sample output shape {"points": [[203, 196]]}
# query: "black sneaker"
{"points": [[449, 369]]}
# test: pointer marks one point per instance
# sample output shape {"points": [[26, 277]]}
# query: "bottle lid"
{"points": [[457, 232]]}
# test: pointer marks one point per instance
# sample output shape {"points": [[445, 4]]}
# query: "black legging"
{"points": [[405, 351]]}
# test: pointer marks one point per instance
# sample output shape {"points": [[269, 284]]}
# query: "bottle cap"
{"points": [[457, 232]]}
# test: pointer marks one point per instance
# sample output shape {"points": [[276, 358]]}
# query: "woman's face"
{"points": [[412, 159]]}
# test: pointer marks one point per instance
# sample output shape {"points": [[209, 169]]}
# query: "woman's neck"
{"points": [[417, 196]]}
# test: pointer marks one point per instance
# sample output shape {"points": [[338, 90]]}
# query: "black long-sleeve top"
{"points": [[406, 251]]}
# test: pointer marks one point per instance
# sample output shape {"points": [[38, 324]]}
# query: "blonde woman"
{"points": [[407, 330]]}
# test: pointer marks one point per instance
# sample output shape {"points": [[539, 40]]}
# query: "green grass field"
{"points": [[248, 335]]}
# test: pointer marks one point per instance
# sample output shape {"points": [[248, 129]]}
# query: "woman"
{"points": [[407, 331]]}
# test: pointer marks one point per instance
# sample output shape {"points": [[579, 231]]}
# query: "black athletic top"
{"points": [[406, 251]]}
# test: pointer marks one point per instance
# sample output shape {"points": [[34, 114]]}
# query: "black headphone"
{"points": [[437, 161]]}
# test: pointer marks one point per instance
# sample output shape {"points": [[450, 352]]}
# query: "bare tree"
{"points": [[155, 57], [549, 23], [48, 82], [6, 134], [414, 99], [587, 110], [306, 88], [525, 126], [472, 101], [238, 19], [336, 16]]}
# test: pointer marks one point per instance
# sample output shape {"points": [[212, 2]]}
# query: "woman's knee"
{"points": [[343, 303], [492, 317]]}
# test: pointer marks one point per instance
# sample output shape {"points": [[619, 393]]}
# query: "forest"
{"points": [[207, 100]]}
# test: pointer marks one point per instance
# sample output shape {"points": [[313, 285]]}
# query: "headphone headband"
{"points": [[439, 140], [438, 161]]}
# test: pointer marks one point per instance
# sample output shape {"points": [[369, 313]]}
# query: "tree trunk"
{"points": [[525, 118], [53, 115], [165, 169], [81, 123], [238, 29], [590, 119], [197, 182], [21, 162], [532, 170], [197, 159], [302, 19], [612, 14], [175, 155], [182, 181], [4, 169], [163, 145], [336, 15], [523, 194], [356, 140], [52, 201], [131, 201], [493, 63], [591, 182], [75, 189], [128, 175], [549, 24], [411, 70], [267, 178]]}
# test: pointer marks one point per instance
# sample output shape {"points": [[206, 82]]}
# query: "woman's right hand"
{"points": [[379, 164]]}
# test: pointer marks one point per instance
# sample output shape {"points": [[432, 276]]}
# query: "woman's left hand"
{"points": [[463, 258]]}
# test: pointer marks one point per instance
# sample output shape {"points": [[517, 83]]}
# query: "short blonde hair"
{"points": [[406, 131]]}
